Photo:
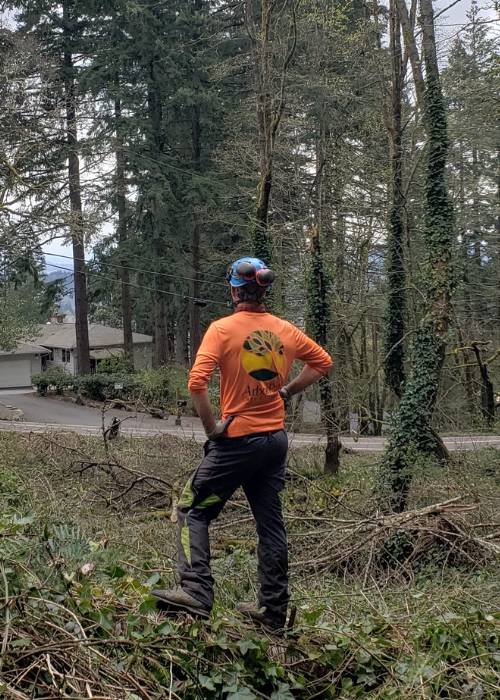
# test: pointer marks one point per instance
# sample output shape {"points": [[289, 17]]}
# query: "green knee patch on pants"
{"points": [[187, 498], [209, 501], [187, 495]]}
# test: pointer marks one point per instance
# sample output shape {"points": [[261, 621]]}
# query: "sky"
{"points": [[450, 24]]}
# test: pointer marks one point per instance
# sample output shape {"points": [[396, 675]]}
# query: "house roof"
{"points": [[63, 335], [26, 349]]}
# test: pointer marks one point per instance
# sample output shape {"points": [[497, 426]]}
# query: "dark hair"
{"points": [[251, 292]]}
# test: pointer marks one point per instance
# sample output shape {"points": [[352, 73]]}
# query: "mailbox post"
{"points": [[181, 403]]}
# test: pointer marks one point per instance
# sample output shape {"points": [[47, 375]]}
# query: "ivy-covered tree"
{"points": [[411, 424]]}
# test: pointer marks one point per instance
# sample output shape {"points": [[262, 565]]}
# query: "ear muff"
{"points": [[245, 271], [265, 277]]}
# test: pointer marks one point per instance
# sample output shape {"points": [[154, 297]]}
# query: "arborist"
{"points": [[254, 351]]}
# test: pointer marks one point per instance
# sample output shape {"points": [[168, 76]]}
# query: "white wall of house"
{"points": [[142, 358], [62, 359], [143, 354]]}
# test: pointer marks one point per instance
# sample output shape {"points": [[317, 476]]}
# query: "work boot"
{"points": [[178, 599], [257, 613]]}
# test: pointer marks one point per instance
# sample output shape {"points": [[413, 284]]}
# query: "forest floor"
{"points": [[387, 606]]}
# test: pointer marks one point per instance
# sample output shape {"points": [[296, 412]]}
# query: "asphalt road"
{"points": [[41, 413]]}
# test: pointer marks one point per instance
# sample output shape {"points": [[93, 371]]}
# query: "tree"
{"points": [[411, 425], [273, 38], [70, 28], [30, 195], [396, 273], [30, 154], [59, 32]]}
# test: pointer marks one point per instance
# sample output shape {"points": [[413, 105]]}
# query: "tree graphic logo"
{"points": [[263, 355]]}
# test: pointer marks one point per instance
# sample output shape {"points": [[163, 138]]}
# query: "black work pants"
{"points": [[257, 463]]}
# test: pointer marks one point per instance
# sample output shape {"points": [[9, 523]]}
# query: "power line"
{"points": [[141, 286], [136, 269]]}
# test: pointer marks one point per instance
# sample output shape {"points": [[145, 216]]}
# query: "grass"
{"points": [[393, 611]]}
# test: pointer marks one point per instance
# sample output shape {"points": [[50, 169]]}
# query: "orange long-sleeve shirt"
{"points": [[254, 352]]}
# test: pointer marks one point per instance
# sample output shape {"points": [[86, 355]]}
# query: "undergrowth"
{"points": [[411, 613]]}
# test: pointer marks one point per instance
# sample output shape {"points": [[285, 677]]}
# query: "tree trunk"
{"points": [[194, 291], [411, 425], [320, 313], [75, 199], [279, 226], [270, 102], [343, 351], [181, 334], [407, 22], [487, 392], [121, 205], [376, 405], [194, 283], [160, 339], [467, 378], [158, 224], [497, 231], [395, 315]]}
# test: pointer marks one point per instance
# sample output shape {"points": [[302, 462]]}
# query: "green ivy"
{"points": [[411, 424], [439, 220]]}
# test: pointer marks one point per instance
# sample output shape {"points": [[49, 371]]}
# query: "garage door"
{"points": [[14, 372]]}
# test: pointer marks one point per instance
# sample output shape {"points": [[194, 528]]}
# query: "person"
{"points": [[254, 351]]}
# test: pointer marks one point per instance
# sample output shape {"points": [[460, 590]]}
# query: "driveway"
{"points": [[42, 413], [45, 411]]}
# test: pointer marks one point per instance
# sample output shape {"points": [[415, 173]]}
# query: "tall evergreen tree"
{"points": [[59, 29]]}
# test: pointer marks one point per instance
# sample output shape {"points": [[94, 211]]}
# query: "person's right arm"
{"points": [[317, 362], [306, 377]]}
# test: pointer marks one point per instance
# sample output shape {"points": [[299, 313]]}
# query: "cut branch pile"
{"points": [[403, 542], [141, 480]]}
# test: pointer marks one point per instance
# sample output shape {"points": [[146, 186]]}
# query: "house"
{"points": [[55, 346], [18, 366], [59, 339]]}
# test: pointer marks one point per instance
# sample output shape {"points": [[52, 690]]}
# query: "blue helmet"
{"points": [[247, 270]]}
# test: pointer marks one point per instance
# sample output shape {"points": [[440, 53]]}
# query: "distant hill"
{"points": [[67, 304]]}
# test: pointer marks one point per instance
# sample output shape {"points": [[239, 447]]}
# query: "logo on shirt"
{"points": [[263, 355]]}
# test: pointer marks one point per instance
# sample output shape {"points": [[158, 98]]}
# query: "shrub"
{"points": [[159, 386], [117, 364], [52, 378], [154, 387], [100, 387]]}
